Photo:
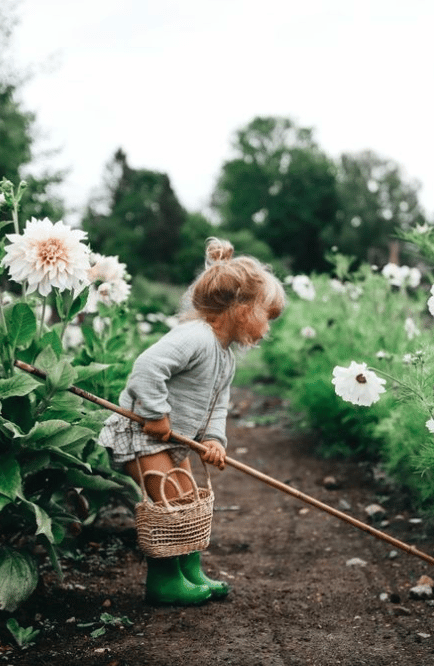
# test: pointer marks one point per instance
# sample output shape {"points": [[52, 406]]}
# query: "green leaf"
{"points": [[23, 636], [43, 520], [53, 340], [21, 325], [56, 434], [85, 372], [4, 501], [10, 429], [18, 578], [98, 632], [78, 303], [46, 360], [95, 482], [60, 376], [18, 385], [10, 477]]}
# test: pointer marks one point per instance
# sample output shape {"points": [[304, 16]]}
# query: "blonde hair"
{"points": [[229, 282]]}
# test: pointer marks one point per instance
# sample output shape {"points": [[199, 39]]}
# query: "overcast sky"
{"points": [[170, 81]]}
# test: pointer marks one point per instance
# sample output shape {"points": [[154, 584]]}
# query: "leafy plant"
{"points": [[24, 636]]}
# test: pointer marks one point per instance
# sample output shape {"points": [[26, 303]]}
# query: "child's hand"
{"points": [[216, 453], [159, 429]]}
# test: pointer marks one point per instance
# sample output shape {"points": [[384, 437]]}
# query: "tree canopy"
{"points": [[142, 220], [281, 187]]}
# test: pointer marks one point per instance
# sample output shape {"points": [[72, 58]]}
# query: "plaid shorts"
{"points": [[126, 440]]}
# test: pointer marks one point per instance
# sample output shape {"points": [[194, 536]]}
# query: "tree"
{"points": [[282, 188], [375, 201], [141, 220]]}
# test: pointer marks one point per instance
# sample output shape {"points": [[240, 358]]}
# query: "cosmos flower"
{"points": [[401, 276], [48, 256], [357, 384], [303, 287]]}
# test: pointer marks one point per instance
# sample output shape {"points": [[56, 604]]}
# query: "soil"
{"points": [[296, 598]]}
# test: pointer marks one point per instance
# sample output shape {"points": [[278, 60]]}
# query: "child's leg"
{"points": [[161, 462]]}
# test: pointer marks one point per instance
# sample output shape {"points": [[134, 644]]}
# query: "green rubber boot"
{"points": [[191, 568], [166, 584]]}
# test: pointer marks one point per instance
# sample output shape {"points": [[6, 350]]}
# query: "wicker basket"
{"points": [[177, 526]]}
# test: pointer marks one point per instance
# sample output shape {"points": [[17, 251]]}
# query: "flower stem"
{"points": [[398, 381]]}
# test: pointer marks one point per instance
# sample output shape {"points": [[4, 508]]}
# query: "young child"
{"points": [[182, 382]]}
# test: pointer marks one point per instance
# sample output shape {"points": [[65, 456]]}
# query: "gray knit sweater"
{"points": [[180, 375]]}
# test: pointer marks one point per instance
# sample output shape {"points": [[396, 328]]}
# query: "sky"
{"points": [[170, 82]]}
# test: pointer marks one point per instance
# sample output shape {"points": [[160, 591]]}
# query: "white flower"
{"points": [[357, 384], [303, 287], [73, 336], [393, 274], [354, 291], [337, 286], [430, 304], [423, 228], [410, 328], [2, 198], [308, 332], [106, 269], [430, 425], [48, 255], [382, 354], [112, 275], [400, 276], [407, 359], [413, 277]]}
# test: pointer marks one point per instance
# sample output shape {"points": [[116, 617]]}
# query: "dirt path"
{"points": [[295, 600]]}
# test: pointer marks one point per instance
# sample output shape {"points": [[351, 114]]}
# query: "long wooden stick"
{"points": [[412, 550]]}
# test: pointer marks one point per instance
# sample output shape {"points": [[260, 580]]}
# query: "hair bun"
{"points": [[217, 250]]}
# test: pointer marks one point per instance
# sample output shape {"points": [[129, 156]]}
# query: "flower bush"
{"points": [[54, 477], [364, 380]]}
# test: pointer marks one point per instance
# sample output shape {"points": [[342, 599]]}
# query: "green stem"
{"points": [[398, 381], [9, 365], [41, 324]]}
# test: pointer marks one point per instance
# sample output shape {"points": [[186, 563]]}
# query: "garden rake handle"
{"points": [[274, 483]]}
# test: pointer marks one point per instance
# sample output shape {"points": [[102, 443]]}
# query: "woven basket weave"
{"points": [[177, 526]]}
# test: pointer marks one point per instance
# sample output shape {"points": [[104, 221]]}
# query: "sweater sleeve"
{"points": [[216, 428], [147, 385]]}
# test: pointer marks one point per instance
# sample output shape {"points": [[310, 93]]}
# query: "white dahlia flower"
{"points": [[357, 384], [48, 255], [112, 275], [303, 287], [430, 425]]}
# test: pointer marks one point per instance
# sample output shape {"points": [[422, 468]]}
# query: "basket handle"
{"points": [[155, 472], [166, 477]]}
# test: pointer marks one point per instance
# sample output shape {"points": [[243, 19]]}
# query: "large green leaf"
{"points": [[56, 434], [21, 325], [17, 385], [61, 376], [10, 477], [18, 578], [82, 480]]}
